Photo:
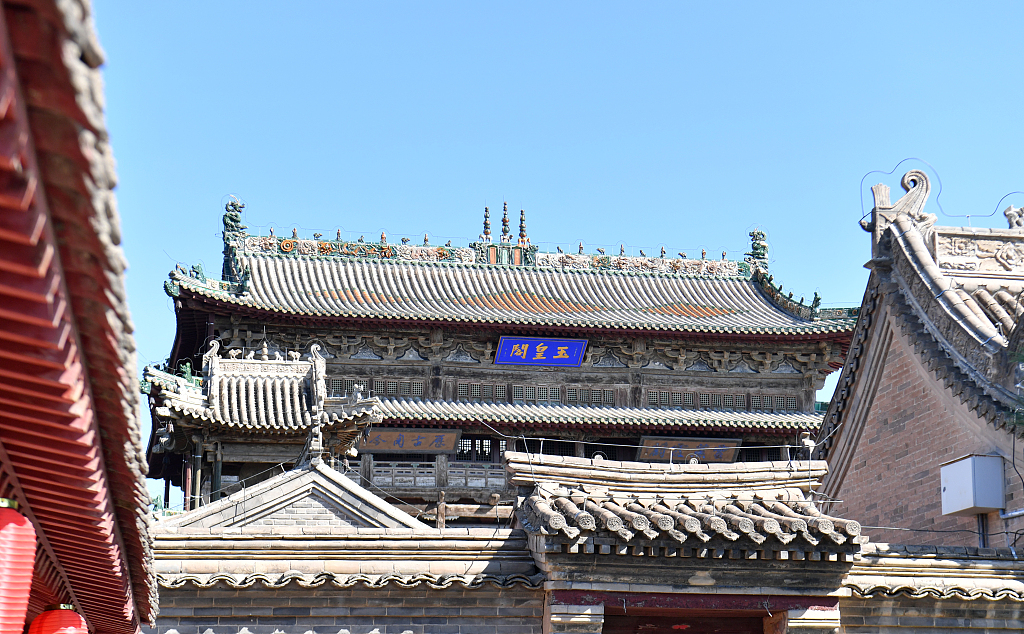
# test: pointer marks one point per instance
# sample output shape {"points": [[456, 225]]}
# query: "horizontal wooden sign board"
{"points": [[410, 441], [543, 351], [682, 450]]}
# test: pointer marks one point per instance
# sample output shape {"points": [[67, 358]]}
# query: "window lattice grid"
{"points": [[705, 400], [596, 396], [716, 401], [688, 399], [570, 394], [529, 393], [727, 401], [609, 397], [463, 390], [487, 391], [755, 401], [379, 386], [499, 392], [780, 402], [584, 395], [677, 399], [542, 394], [791, 403], [517, 392], [392, 387], [405, 389], [474, 390], [739, 401], [417, 388], [337, 387], [663, 398], [350, 385], [652, 398]]}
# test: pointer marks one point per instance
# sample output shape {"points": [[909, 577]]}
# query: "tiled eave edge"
{"points": [[936, 572], [342, 581], [832, 329]]}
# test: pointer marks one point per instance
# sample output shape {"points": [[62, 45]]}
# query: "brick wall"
{"points": [[863, 616], [357, 610], [914, 426], [313, 510]]}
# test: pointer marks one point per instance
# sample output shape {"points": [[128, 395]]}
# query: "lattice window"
{"points": [[609, 397], [705, 400], [542, 394], [688, 399], [350, 385], [392, 387], [417, 388], [474, 390], [405, 389], [780, 402], [499, 393], [740, 401], [652, 398], [584, 395], [517, 392], [791, 403], [570, 394], [463, 391], [727, 401], [663, 398], [501, 447], [487, 391], [677, 399], [379, 386], [465, 449], [596, 396], [716, 401], [755, 401], [337, 387], [530, 393]]}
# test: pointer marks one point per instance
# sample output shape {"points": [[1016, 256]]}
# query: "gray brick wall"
{"points": [[310, 511], [921, 616], [360, 610]]}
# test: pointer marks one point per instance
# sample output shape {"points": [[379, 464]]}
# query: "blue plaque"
{"points": [[566, 353]]}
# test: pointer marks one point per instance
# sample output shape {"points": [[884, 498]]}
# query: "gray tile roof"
{"points": [[327, 286], [402, 409]]}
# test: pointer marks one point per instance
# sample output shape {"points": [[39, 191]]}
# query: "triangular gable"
{"points": [[311, 496]]}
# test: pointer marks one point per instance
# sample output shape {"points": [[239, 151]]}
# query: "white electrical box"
{"points": [[972, 485]]}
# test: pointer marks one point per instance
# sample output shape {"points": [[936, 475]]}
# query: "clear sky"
{"points": [[644, 124]]}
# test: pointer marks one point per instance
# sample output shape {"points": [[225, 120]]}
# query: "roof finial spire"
{"points": [[487, 224], [506, 235], [522, 227]]}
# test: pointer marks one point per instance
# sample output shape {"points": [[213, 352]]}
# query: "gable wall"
{"points": [[913, 426]]}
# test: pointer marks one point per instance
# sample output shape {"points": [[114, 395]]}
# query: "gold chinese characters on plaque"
{"points": [[410, 441], [682, 450]]}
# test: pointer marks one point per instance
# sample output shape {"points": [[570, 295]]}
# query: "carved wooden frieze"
{"points": [[980, 253]]}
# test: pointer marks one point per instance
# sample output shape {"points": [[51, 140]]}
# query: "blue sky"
{"points": [[675, 124]]}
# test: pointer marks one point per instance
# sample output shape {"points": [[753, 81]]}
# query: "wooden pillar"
{"points": [[366, 470], [441, 470], [440, 510], [218, 461], [186, 490]]}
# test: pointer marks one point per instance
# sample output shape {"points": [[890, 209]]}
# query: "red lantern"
{"points": [[59, 619], [17, 561]]}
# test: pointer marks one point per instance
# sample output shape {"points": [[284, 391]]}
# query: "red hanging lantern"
{"points": [[17, 562], [59, 619]]}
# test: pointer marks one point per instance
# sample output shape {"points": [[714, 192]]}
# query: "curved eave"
{"points": [[227, 303]]}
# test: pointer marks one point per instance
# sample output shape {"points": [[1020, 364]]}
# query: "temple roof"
{"points": [[655, 508], [501, 283], [557, 415], [956, 291]]}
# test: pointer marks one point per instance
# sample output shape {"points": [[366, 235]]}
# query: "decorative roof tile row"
{"points": [[442, 291], [407, 409]]}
